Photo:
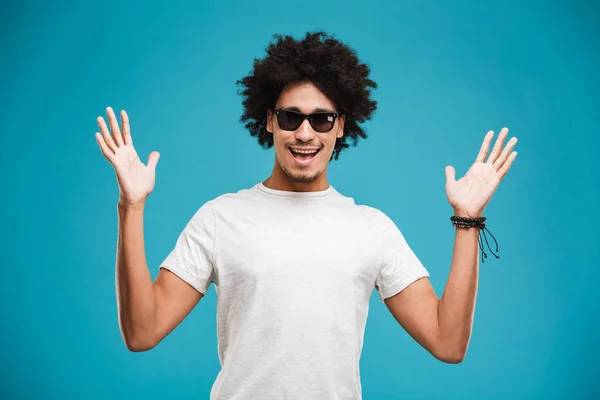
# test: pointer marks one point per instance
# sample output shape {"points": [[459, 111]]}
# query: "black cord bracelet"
{"points": [[479, 223]]}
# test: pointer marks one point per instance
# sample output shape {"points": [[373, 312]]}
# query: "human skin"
{"points": [[149, 311]]}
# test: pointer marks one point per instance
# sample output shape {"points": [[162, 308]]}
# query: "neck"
{"points": [[279, 180]]}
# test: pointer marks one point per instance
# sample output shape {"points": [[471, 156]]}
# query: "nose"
{"points": [[305, 132]]}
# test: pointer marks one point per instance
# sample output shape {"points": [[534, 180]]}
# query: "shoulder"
{"points": [[226, 202], [373, 215]]}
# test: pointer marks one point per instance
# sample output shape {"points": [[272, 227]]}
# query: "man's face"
{"points": [[303, 168]]}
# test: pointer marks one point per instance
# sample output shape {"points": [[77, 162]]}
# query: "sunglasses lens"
{"points": [[322, 122], [288, 120]]}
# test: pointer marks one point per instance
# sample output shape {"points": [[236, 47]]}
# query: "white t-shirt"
{"points": [[293, 272]]}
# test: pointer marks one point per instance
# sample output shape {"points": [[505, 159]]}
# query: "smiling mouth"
{"points": [[303, 156]]}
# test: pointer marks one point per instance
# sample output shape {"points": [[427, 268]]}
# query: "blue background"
{"points": [[447, 73]]}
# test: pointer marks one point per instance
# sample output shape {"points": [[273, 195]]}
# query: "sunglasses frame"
{"points": [[309, 117]]}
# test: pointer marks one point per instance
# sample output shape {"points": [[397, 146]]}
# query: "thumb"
{"points": [[153, 159], [450, 174]]}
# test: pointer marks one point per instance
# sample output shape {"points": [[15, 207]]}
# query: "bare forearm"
{"points": [[135, 293], [457, 305]]}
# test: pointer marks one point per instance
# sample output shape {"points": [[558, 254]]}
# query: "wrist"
{"points": [[467, 214], [126, 205]]}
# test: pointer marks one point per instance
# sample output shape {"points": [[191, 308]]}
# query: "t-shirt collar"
{"points": [[285, 193]]}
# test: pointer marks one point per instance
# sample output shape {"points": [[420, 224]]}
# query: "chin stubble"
{"points": [[301, 178]]}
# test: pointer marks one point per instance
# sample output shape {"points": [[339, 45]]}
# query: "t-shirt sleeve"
{"points": [[399, 265], [192, 258]]}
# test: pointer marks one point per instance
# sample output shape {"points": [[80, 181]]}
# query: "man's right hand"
{"points": [[136, 180]]}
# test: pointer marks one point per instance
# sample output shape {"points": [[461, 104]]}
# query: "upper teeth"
{"points": [[305, 151]]}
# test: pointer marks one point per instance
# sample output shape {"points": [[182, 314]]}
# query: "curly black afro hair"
{"points": [[330, 65]]}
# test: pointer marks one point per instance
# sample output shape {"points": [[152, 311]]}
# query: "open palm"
{"points": [[136, 180], [469, 195]]}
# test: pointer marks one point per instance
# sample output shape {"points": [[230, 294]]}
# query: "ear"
{"points": [[341, 122], [269, 121]]}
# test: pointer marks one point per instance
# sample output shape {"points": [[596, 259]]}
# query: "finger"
{"points": [[126, 128], [106, 135], [504, 155], [498, 146], [104, 147], [153, 159], [483, 152], [114, 127], [450, 174], [506, 166]]}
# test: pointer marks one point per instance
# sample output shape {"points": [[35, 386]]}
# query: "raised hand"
{"points": [[136, 180], [470, 194]]}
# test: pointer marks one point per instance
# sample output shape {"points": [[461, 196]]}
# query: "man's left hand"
{"points": [[469, 195]]}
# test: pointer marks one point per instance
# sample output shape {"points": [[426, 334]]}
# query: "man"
{"points": [[294, 262]]}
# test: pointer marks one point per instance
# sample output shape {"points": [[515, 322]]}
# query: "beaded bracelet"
{"points": [[479, 223]]}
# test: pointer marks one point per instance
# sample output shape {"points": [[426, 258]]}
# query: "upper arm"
{"points": [[175, 299], [416, 309], [186, 273], [404, 287]]}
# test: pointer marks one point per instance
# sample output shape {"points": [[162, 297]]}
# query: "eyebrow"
{"points": [[316, 110]]}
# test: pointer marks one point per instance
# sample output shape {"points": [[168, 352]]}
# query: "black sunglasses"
{"points": [[291, 120]]}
